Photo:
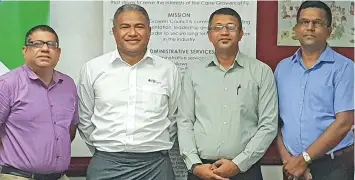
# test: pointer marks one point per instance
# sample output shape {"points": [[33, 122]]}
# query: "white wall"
{"points": [[79, 27]]}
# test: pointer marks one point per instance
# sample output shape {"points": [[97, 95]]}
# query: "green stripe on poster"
{"points": [[16, 18]]}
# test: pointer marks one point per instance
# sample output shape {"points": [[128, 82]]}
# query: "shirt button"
{"points": [[301, 103], [57, 139], [225, 106], [224, 123], [225, 89], [222, 142], [55, 122]]}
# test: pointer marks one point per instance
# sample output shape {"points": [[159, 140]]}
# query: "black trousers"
{"points": [[254, 173], [339, 168]]}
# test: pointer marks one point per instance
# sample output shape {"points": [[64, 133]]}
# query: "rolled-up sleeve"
{"points": [[267, 123]]}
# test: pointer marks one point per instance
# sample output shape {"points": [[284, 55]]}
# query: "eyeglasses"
{"points": [[315, 23], [40, 44], [229, 27]]}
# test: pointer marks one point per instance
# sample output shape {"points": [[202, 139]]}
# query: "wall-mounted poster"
{"points": [[342, 23]]}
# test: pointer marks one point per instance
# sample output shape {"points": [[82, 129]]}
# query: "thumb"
{"points": [[218, 163]]}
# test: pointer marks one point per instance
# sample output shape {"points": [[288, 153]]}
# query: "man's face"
{"points": [[311, 29], [40, 55], [224, 32], [131, 32]]}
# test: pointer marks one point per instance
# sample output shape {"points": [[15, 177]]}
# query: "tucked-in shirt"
{"points": [[3, 69], [35, 121], [228, 114], [310, 98], [126, 108]]}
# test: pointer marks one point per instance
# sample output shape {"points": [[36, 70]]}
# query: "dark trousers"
{"points": [[130, 166], [339, 168], [254, 173]]}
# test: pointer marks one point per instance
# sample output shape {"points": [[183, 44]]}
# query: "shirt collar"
{"points": [[148, 57], [326, 55], [56, 76], [238, 60]]}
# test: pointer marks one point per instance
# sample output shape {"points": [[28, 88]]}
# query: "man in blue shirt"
{"points": [[316, 101]]}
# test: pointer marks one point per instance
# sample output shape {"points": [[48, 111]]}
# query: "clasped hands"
{"points": [[296, 168], [220, 170]]}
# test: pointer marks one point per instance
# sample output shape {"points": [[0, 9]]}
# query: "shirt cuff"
{"points": [[191, 159], [242, 161]]}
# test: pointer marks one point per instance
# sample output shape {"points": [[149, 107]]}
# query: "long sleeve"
{"points": [[5, 95], [86, 107], [173, 104], [267, 124], [185, 122]]}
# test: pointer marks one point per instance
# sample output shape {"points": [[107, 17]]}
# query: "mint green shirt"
{"points": [[229, 114]]}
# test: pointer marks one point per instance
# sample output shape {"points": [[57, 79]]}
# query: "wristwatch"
{"points": [[193, 167], [306, 157]]}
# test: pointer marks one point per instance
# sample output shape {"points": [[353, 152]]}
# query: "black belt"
{"points": [[17, 172], [340, 152]]}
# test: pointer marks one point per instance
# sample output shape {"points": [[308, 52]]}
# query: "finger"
{"points": [[217, 177]]}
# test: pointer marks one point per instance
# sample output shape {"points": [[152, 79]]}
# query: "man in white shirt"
{"points": [[128, 99], [3, 69]]}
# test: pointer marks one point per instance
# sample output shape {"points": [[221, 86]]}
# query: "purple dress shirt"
{"points": [[35, 121]]}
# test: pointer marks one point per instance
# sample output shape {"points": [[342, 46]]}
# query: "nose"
{"points": [[132, 31], [310, 26], [45, 47], [224, 30]]}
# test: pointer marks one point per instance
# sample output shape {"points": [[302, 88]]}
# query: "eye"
{"points": [[140, 26]]}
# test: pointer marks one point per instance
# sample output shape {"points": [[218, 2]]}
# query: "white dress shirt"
{"points": [[126, 108], [3, 69]]}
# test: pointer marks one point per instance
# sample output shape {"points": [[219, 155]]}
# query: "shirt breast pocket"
{"points": [[246, 98], [154, 98]]}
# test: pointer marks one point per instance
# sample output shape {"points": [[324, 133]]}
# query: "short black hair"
{"points": [[316, 4], [225, 11], [130, 7], [41, 27]]}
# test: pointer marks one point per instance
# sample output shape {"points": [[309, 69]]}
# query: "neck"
{"points": [[226, 57], [312, 54], [44, 74], [132, 58]]}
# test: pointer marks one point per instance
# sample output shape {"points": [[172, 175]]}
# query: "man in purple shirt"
{"points": [[38, 112]]}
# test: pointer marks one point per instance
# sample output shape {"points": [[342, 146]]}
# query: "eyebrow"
{"points": [[127, 24]]}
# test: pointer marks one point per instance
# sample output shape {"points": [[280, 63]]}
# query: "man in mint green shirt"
{"points": [[228, 111]]}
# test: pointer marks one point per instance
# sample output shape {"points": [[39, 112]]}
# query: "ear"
{"points": [[59, 51], [241, 33], [24, 49], [329, 29], [209, 35]]}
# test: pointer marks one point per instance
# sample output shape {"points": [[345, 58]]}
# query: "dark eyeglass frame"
{"points": [[40, 44]]}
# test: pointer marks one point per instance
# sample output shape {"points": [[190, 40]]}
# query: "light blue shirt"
{"points": [[310, 98]]}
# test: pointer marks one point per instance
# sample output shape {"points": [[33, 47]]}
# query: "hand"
{"points": [[295, 166], [226, 168], [307, 174], [205, 171]]}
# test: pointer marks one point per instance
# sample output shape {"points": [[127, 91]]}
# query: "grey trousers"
{"points": [[130, 166]]}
